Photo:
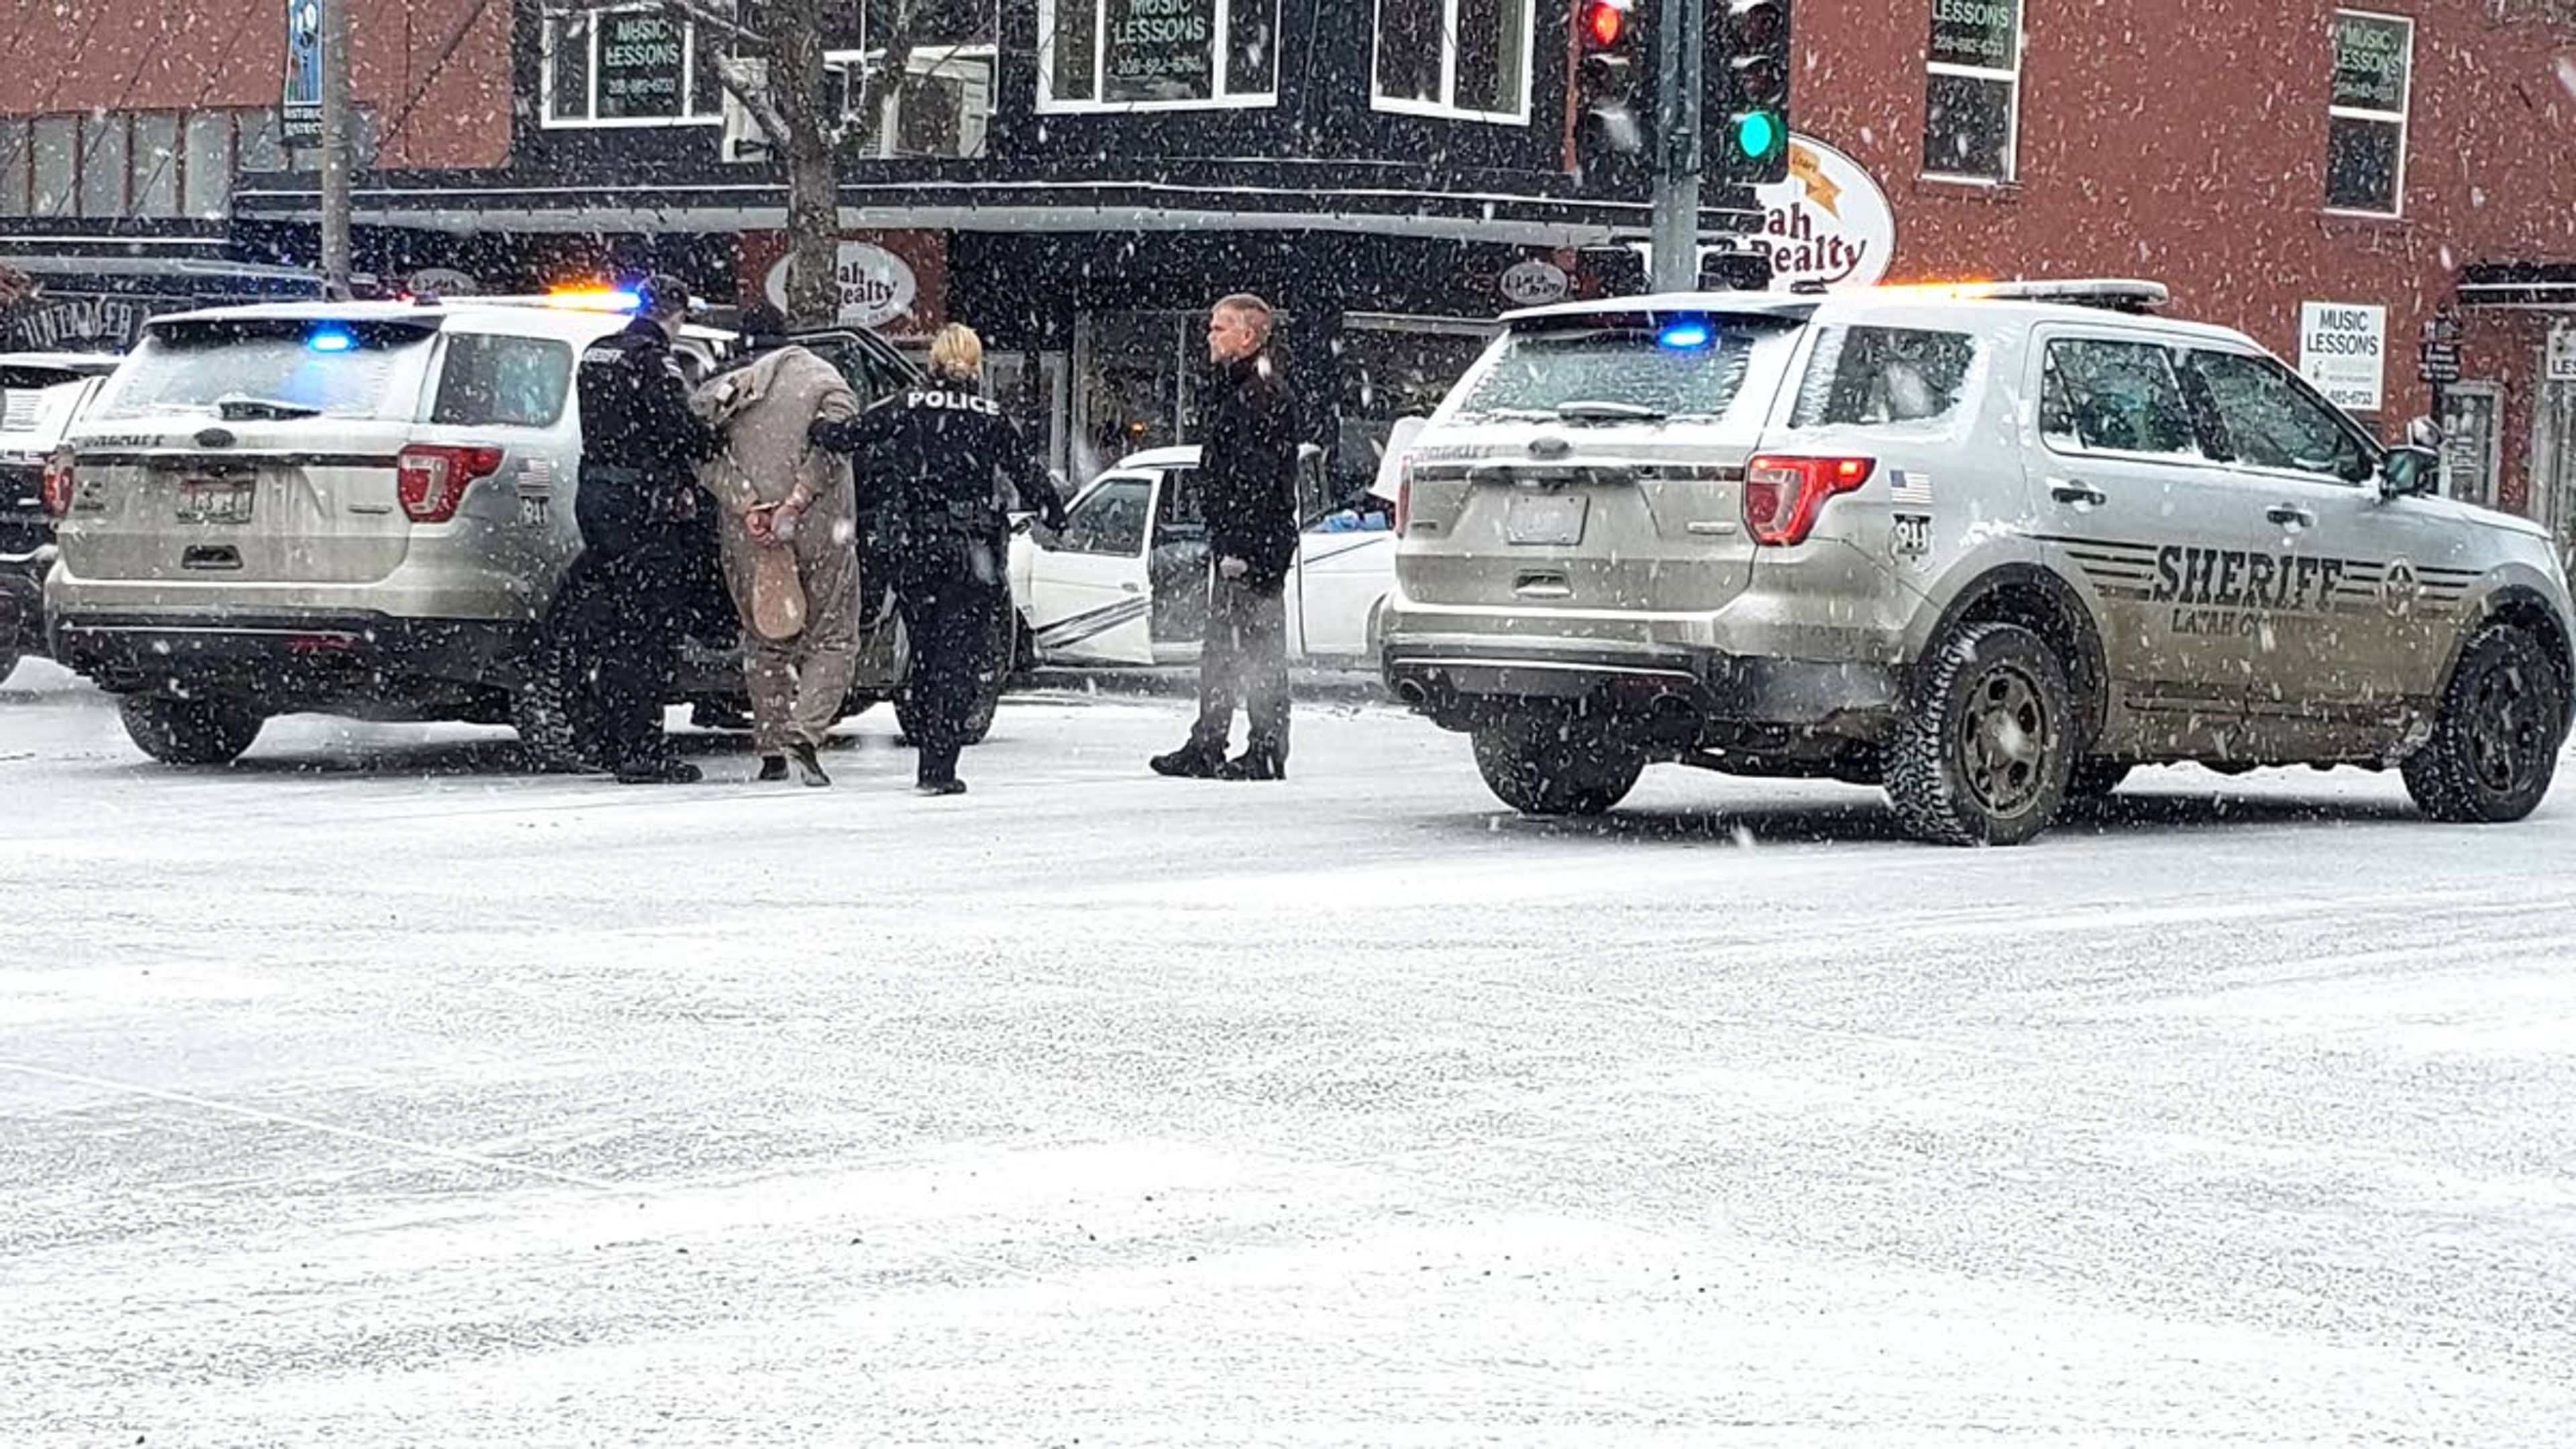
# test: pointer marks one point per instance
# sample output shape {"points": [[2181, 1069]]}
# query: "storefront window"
{"points": [[1150, 54], [15, 156], [1466, 58], [632, 67], [1134, 386], [1972, 90], [2366, 124], [1390, 368]]}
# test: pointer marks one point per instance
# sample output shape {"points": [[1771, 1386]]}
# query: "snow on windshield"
{"points": [[1626, 366], [191, 371]]}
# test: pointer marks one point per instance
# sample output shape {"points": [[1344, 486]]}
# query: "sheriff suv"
{"points": [[1988, 547], [361, 509]]}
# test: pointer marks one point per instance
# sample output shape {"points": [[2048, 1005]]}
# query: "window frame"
{"points": [[1447, 108], [2352, 432], [2012, 113], [589, 120], [1220, 50], [930, 64], [2402, 118], [2164, 347]]}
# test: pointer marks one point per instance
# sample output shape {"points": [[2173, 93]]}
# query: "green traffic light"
{"points": [[1757, 133]]}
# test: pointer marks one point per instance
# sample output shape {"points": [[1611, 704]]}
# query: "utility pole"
{"points": [[335, 148], [1679, 65]]}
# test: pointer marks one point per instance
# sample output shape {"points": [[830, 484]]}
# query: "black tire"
{"points": [[1983, 756], [2496, 732], [1550, 771], [2096, 779], [552, 712], [189, 731]]}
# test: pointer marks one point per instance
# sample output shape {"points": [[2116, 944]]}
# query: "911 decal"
{"points": [[1910, 535]]}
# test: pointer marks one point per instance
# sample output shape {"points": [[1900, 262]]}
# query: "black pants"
{"points": [[950, 600], [1244, 660], [623, 645]]}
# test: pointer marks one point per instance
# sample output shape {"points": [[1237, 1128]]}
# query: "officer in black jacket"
{"points": [[1248, 489], [929, 461], [645, 547]]}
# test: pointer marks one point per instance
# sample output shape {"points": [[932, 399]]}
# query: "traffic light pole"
{"points": [[1678, 63], [336, 261]]}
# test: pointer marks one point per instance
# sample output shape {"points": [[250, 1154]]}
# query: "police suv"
{"points": [[1989, 547], [360, 509]]}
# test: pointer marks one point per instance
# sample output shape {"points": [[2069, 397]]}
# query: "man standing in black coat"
{"points": [[1248, 489], [643, 546]]}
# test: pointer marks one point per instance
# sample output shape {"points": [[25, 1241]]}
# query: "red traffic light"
{"points": [[1607, 22]]}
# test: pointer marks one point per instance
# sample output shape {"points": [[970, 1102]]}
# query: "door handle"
{"points": [[2290, 515], [1131, 588], [2071, 490]]}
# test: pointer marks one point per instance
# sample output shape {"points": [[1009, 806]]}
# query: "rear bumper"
{"points": [[1462, 681], [289, 659]]}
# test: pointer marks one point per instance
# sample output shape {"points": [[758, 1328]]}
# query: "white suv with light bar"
{"points": [[358, 508], [1988, 546]]}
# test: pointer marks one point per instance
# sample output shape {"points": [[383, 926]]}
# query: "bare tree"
{"points": [[770, 57]]}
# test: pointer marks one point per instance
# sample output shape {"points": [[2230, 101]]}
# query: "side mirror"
{"points": [[2409, 471], [2424, 433]]}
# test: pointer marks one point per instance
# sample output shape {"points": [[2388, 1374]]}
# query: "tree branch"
{"points": [[701, 12]]}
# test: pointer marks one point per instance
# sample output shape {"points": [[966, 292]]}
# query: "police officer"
{"points": [[930, 459], [645, 545]]}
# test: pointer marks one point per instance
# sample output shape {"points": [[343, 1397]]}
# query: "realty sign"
{"points": [[1825, 222], [2343, 351]]}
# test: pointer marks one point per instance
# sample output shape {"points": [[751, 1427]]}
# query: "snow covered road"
{"points": [[375, 1093]]}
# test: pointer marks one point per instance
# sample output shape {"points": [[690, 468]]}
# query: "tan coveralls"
{"points": [[797, 685]]}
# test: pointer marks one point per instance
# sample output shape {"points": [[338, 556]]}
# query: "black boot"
{"points": [[1193, 761], [1257, 762], [950, 786], [773, 768], [809, 770], [658, 770]]}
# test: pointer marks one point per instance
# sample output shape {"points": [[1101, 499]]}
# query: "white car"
{"points": [[1126, 581], [41, 395]]}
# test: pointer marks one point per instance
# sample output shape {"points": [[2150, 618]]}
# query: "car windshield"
{"points": [[1622, 371], [291, 368]]}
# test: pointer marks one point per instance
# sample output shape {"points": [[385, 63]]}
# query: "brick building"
{"points": [[2416, 156]]}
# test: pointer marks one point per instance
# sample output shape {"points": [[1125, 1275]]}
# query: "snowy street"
{"points": [[378, 1092]]}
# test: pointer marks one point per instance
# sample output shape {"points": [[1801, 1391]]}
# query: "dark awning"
{"points": [[2518, 284]]}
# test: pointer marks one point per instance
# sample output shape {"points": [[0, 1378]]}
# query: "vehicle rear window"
{"points": [[490, 380], [335, 369], [1866, 376], [30, 395], [1626, 364]]}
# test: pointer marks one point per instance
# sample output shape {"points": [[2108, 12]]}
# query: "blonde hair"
{"points": [[956, 352]]}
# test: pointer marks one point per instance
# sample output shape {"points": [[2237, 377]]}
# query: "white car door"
{"points": [[1088, 598], [1340, 580]]}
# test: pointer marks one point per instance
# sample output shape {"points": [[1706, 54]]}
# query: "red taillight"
{"points": [[1783, 496], [1403, 497], [433, 478], [59, 479], [1607, 22]]}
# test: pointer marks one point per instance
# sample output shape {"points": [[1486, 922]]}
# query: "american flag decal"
{"points": [[1905, 487]]}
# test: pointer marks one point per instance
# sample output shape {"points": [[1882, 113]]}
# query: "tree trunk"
{"points": [[813, 178]]}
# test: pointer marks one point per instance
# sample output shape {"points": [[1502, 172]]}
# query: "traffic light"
{"points": [[1748, 91], [1614, 96]]}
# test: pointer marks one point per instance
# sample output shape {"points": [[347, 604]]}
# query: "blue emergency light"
{"points": [[1685, 336], [330, 339]]}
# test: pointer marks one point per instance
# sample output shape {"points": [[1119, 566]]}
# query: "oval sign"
{"points": [[876, 285], [1534, 283], [1827, 222]]}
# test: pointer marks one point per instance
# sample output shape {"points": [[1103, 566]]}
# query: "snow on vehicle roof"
{"points": [[573, 323], [1181, 456], [1991, 302], [93, 363]]}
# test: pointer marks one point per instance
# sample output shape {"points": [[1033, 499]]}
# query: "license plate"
{"points": [[215, 500], [1546, 518]]}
